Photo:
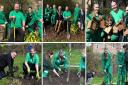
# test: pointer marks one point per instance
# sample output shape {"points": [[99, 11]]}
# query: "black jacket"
{"points": [[6, 60]]}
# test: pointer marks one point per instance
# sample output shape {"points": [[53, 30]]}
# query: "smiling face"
{"points": [[13, 55], [32, 51], [1, 8], [96, 8], [127, 10], [66, 8], [30, 10], [114, 6], [16, 7]]}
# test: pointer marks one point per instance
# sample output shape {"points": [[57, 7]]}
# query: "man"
{"points": [[7, 60], [31, 64], [30, 20], [82, 70], [67, 16], [81, 20], [47, 13], [106, 66], [39, 17], [118, 16], [3, 22], [76, 12], [53, 15], [126, 24], [47, 64], [17, 24], [125, 47], [120, 67], [60, 58], [97, 34]]}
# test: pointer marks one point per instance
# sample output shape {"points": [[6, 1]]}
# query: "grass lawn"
{"points": [[99, 80]]}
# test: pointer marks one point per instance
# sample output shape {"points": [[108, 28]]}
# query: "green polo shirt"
{"points": [[66, 14], [117, 16], [32, 59], [2, 17], [19, 19]]}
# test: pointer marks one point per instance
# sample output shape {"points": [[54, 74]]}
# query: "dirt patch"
{"points": [[53, 80], [52, 37], [21, 81]]}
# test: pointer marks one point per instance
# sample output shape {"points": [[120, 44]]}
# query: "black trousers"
{"points": [[32, 68], [2, 73], [19, 35], [67, 27]]}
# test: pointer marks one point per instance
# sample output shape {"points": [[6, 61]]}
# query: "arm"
{"points": [[11, 16], [26, 62]]}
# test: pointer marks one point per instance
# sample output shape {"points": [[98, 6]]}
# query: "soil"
{"points": [[54, 80], [62, 37]]}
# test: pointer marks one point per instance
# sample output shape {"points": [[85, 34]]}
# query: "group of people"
{"points": [[111, 27], [58, 63], [61, 20], [121, 62], [20, 22], [31, 65]]}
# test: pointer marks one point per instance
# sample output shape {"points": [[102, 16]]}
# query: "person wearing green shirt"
{"points": [[3, 21], [76, 13], [66, 18], [17, 24], [47, 65], [39, 17], [126, 23], [117, 15], [47, 13], [31, 64], [30, 20], [106, 66], [60, 58], [53, 15], [120, 67], [98, 34], [82, 70]]}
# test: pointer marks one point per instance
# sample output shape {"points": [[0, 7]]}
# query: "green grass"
{"points": [[99, 80], [75, 57]]}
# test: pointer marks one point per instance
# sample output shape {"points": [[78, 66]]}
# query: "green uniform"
{"points": [[32, 60], [53, 16], [47, 13], [121, 68], [66, 15], [57, 62], [107, 68], [2, 17], [82, 70], [76, 12], [39, 15], [82, 64], [17, 22], [126, 23], [96, 36], [47, 66], [30, 20], [116, 17]]}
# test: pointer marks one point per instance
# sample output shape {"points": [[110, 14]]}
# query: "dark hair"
{"points": [[30, 7], [49, 52], [14, 51]]}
